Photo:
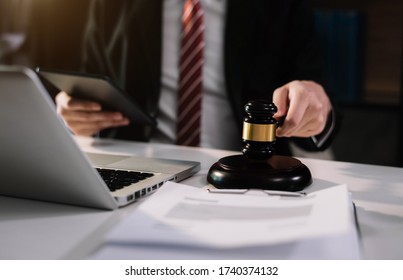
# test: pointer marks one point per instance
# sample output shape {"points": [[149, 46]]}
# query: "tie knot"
{"points": [[192, 14]]}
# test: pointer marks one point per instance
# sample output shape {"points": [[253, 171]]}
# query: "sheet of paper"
{"points": [[182, 215]]}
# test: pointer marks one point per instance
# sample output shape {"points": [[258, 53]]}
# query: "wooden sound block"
{"points": [[276, 173]]}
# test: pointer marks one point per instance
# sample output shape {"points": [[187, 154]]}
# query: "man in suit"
{"points": [[256, 49]]}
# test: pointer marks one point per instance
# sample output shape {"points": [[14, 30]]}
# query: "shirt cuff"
{"points": [[320, 139]]}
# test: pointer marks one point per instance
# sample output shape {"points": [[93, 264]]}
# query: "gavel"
{"points": [[258, 167]]}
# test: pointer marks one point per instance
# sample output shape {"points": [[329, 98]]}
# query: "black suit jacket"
{"points": [[267, 44]]}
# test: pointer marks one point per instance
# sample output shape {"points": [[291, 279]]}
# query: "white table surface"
{"points": [[40, 230]]}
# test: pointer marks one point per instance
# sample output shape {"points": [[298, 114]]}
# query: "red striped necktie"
{"points": [[190, 75]]}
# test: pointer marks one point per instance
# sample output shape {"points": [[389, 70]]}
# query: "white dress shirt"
{"points": [[218, 127]]}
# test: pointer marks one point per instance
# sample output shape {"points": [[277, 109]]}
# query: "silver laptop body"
{"points": [[40, 160]]}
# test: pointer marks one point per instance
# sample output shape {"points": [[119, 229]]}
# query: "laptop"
{"points": [[41, 160]]}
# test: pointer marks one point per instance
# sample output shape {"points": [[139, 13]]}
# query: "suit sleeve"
{"points": [[307, 63]]}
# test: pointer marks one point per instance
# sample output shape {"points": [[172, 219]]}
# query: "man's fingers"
{"points": [[90, 128], [280, 99], [305, 106], [65, 101], [294, 109], [88, 116]]}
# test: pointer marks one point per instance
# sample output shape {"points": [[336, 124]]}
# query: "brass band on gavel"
{"points": [[259, 132]]}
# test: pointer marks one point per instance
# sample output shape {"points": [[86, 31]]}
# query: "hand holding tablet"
{"points": [[99, 89]]}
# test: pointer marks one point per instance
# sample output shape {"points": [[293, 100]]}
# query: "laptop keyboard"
{"points": [[118, 179]]}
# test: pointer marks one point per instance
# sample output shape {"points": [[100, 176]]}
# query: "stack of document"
{"points": [[185, 222]]}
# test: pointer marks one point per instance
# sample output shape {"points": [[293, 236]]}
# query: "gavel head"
{"points": [[259, 130]]}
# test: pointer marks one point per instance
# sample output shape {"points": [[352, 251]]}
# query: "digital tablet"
{"points": [[97, 88]]}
